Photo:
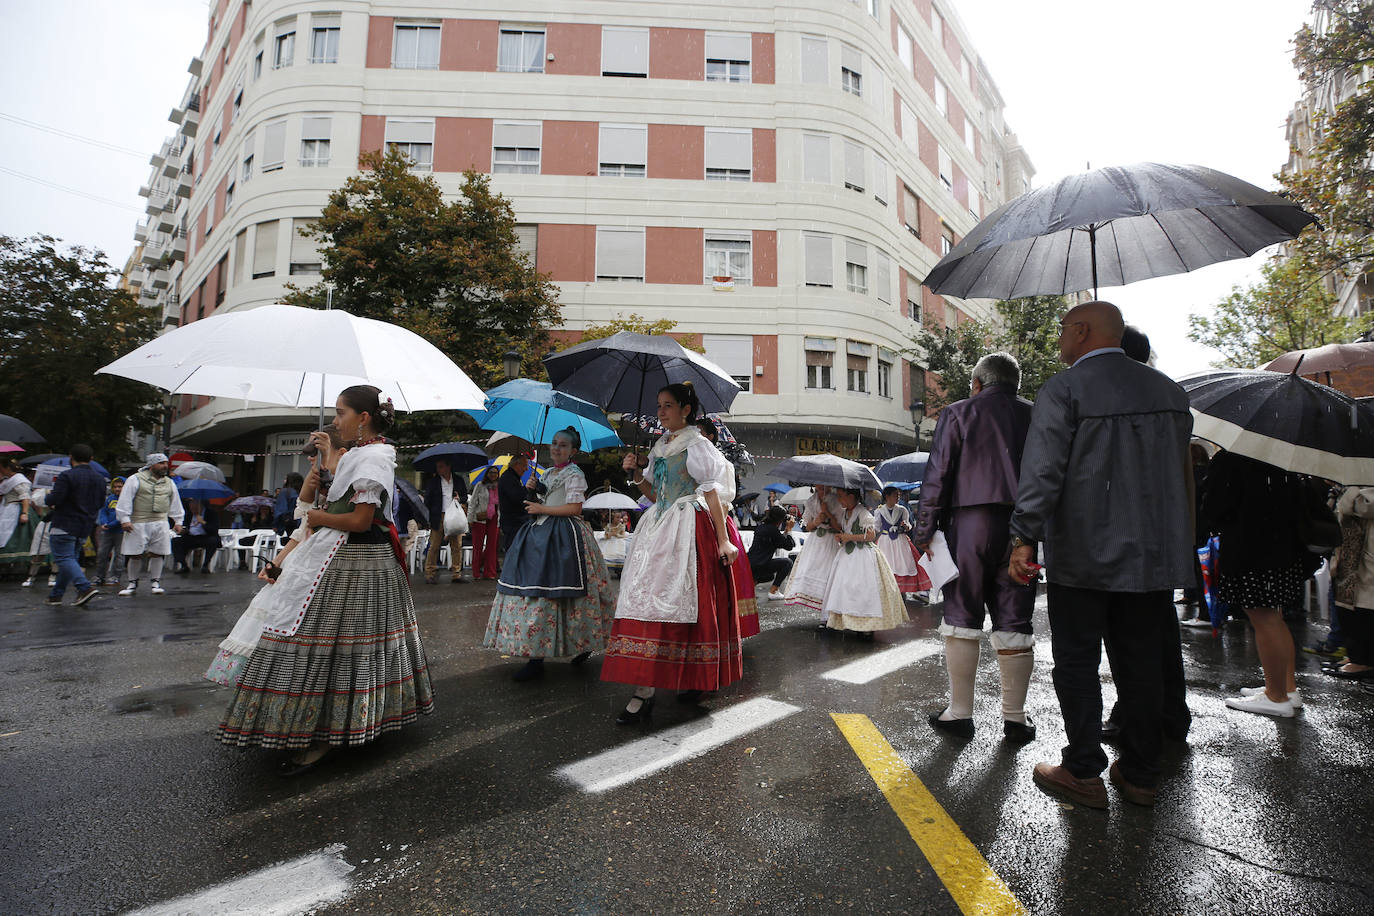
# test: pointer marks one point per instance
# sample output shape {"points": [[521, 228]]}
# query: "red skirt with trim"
{"points": [[744, 585], [705, 655]]}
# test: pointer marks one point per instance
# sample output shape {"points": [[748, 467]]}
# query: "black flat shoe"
{"points": [[1018, 732], [580, 657], [533, 670], [642, 714], [288, 767], [959, 728]]}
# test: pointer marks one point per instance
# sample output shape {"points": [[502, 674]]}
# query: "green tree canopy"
{"points": [[61, 319]]}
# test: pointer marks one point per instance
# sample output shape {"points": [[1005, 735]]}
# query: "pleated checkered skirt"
{"points": [[352, 671]]}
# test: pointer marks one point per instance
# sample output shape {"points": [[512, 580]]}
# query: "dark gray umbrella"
{"points": [[16, 430], [909, 467], [1114, 226], [416, 503], [624, 372], [830, 470], [460, 456]]}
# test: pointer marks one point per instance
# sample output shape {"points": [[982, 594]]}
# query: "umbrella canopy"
{"points": [[34, 461], [1114, 226], [277, 353], [610, 500], [908, 467], [506, 444], [250, 504], [733, 450], [16, 430], [1285, 420], [198, 470], [1335, 357], [202, 488], [747, 497], [8, 446], [777, 488], [460, 455], [796, 496], [534, 411], [63, 462], [499, 465], [414, 501], [831, 470], [624, 372]]}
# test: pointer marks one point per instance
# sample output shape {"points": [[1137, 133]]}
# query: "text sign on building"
{"points": [[815, 445]]}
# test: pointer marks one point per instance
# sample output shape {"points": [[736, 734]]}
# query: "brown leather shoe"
{"points": [[1057, 781], [1136, 795]]}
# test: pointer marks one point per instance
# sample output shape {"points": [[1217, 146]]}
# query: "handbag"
{"points": [[1318, 529], [455, 520]]}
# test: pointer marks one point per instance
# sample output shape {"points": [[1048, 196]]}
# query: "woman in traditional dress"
{"points": [[16, 520], [894, 521], [806, 586], [553, 597], [862, 594], [341, 663], [677, 622]]}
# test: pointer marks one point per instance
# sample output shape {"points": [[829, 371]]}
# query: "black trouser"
{"points": [[1176, 717], [1357, 625], [184, 545], [778, 568], [1135, 623]]}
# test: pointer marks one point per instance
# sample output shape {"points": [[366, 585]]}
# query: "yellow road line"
{"points": [[972, 883]]}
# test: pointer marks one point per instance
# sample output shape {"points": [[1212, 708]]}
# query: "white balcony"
{"points": [[153, 250], [141, 231], [171, 166], [165, 220], [178, 247], [194, 67], [183, 185], [160, 280], [191, 122]]}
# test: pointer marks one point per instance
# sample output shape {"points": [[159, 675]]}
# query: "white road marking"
{"points": [[289, 888], [646, 756], [884, 663]]}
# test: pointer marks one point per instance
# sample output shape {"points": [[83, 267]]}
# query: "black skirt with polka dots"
{"points": [[1278, 587]]}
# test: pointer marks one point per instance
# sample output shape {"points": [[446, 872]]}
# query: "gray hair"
{"points": [[998, 369]]}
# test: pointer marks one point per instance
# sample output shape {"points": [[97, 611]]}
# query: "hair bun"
{"points": [[688, 385]]}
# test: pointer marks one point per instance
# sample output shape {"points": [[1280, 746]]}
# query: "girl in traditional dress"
{"points": [[806, 586], [894, 521], [862, 594], [16, 520], [553, 597], [677, 622], [341, 661]]}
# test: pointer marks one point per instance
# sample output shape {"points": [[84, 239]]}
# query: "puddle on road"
{"points": [[173, 700]]}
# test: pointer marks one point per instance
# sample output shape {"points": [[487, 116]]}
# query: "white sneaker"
{"points": [[1262, 705], [52, 580], [774, 594], [157, 588], [1294, 696], [129, 589], [27, 583]]}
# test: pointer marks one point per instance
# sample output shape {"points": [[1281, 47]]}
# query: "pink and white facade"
{"points": [[775, 177]]}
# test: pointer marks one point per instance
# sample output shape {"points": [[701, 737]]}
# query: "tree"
{"points": [[1289, 309], [951, 353], [638, 324], [62, 318], [452, 272]]}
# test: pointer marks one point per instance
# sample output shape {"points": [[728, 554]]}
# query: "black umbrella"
{"points": [[1115, 225], [909, 467], [830, 470], [1285, 420], [624, 372], [35, 460], [405, 491], [16, 430], [460, 456], [746, 497]]}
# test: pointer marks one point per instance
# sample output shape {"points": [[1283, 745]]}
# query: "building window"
{"points": [[873, 8], [816, 157], [941, 97], [624, 52], [521, 50], [913, 306], [516, 147], [734, 353], [315, 142], [851, 71], [911, 129], [527, 240], [946, 239], [968, 133], [619, 255], [820, 269], [240, 256], [973, 205], [729, 155], [284, 46], [856, 266], [415, 47], [214, 143], [238, 103], [414, 139], [623, 150], [728, 57], [820, 359], [246, 172], [221, 279], [946, 170], [911, 205], [886, 358], [853, 166], [274, 146], [815, 60], [305, 253], [228, 197], [265, 250], [882, 276], [728, 255], [257, 66], [963, 66], [857, 365], [937, 27], [906, 49], [882, 179], [324, 40]]}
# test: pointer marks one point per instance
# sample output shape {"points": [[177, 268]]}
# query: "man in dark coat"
{"points": [[968, 492], [442, 488], [76, 498], [511, 495]]}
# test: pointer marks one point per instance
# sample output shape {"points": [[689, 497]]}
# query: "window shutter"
{"points": [[729, 46], [508, 133], [315, 128], [874, 90], [732, 352], [729, 149], [946, 167], [619, 252], [883, 276], [625, 144], [855, 252], [815, 60], [816, 157], [911, 131], [905, 50], [326, 20], [854, 164], [273, 145], [820, 270], [265, 248], [304, 250], [820, 351], [409, 131], [286, 27], [912, 208], [624, 50], [882, 178], [851, 59], [240, 257], [527, 239]]}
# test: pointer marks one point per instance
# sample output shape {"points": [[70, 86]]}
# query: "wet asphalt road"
{"points": [[116, 796]]}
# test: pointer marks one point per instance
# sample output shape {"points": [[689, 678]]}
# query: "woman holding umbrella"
{"points": [[677, 622], [862, 594], [811, 575], [553, 596]]}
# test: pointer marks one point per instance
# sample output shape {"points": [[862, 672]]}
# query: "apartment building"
{"points": [[776, 177]]}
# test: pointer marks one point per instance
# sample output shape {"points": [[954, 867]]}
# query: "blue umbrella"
{"points": [[499, 466], [460, 456], [778, 488], [64, 461], [202, 488], [911, 466], [535, 412]]}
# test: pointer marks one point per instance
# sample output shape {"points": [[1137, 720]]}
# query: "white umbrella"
{"points": [[278, 354], [198, 470], [611, 500], [797, 496]]}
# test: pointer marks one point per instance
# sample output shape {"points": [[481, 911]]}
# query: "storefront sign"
{"points": [[816, 445]]}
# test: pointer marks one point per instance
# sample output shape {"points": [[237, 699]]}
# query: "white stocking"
{"points": [[1016, 675], [961, 661]]}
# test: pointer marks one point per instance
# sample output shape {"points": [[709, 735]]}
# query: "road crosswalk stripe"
{"points": [[885, 662], [972, 883], [629, 762], [288, 888]]}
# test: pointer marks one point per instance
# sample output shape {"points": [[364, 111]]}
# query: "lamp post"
{"points": [[510, 363], [918, 415]]}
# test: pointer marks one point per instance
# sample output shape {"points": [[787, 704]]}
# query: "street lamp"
{"points": [[511, 363], [918, 415]]}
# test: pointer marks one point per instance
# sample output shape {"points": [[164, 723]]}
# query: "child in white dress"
{"points": [[862, 594]]}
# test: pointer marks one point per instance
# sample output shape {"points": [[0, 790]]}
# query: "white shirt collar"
{"points": [[1098, 352]]}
